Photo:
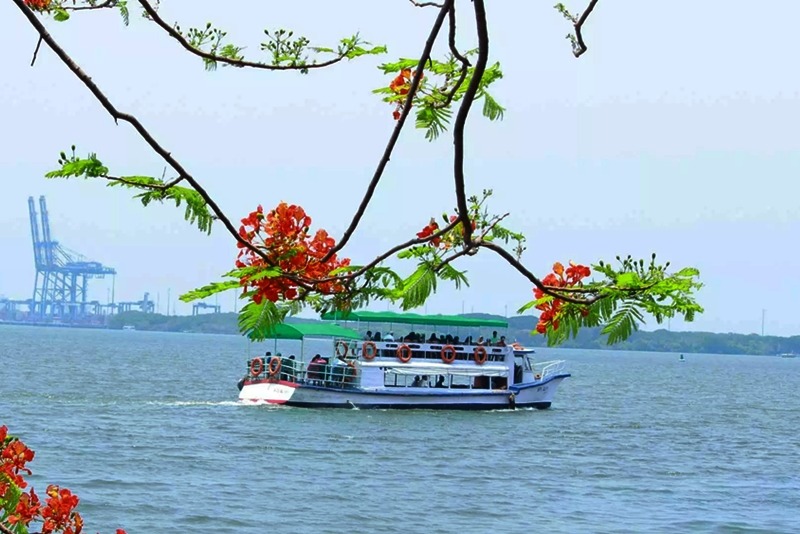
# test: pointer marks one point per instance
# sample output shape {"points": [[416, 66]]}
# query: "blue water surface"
{"points": [[145, 427]]}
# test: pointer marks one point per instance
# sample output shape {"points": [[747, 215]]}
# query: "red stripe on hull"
{"points": [[268, 381]]}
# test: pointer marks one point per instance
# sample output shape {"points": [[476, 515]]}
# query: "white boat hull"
{"points": [[537, 394]]}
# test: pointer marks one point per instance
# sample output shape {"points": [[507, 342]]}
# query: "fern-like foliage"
{"points": [[445, 83], [196, 210], [257, 321], [628, 294]]}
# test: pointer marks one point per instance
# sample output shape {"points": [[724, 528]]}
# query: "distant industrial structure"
{"points": [[197, 306], [61, 285]]}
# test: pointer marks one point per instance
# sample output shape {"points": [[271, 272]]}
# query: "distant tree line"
{"points": [[519, 328]]}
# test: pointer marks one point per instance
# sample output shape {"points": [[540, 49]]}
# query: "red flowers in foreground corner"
{"points": [[37, 5], [58, 514], [283, 235], [560, 277]]}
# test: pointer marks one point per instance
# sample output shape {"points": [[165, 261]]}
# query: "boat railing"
{"points": [[551, 368], [368, 350], [328, 373]]}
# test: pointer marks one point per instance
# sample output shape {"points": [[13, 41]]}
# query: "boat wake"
{"points": [[195, 403]]}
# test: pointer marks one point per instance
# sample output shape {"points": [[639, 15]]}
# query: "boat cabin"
{"points": [[416, 362]]}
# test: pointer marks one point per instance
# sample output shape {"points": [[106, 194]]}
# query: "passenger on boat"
{"points": [[481, 342], [494, 339], [502, 342], [389, 337], [440, 382], [368, 336], [316, 369], [288, 369], [376, 337], [433, 338], [417, 383]]}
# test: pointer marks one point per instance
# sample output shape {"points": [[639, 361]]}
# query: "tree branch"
{"points": [[183, 174], [387, 153], [155, 187], [514, 262], [463, 112], [390, 252], [465, 64], [172, 32], [36, 50], [581, 48]]}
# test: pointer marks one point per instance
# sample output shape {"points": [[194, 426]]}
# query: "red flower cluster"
{"points": [[448, 239], [58, 514], [37, 5], [400, 85], [429, 230], [560, 277], [283, 236]]}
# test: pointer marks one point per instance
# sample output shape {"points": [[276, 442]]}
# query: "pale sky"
{"points": [[675, 133]]}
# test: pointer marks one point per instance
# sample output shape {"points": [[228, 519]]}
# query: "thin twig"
{"points": [[172, 32], [579, 26], [387, 153], [36, 51], [425, 4], [107, 3]]}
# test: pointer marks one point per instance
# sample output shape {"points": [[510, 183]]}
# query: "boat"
{"points": [[128, 327], [405, 373], [681, 359], [788, 355]]}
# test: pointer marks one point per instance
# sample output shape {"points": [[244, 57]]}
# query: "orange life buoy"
{"points": [[404, 353], [448, 354], [342, 344], [480, 355], [369, 355], [274, 365], [256, 366]]}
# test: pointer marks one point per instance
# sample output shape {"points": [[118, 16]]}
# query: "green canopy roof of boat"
{"points": [[413, 318], [301, 330]]}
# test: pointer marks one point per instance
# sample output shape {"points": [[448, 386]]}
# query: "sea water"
{"points": [[146, 429]]}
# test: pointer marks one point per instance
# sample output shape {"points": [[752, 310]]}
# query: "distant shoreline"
{"points": [[519, 328]]}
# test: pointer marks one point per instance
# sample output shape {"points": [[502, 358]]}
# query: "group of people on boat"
{"points": [[446, 339], [424, 382]]}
